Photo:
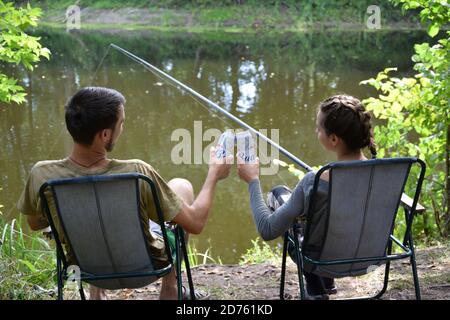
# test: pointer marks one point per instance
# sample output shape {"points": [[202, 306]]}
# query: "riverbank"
{"points": [[261, 281], [242, 18], [27, 269]]}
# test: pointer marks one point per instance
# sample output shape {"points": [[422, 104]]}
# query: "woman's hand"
{"points": [[248, 171]]}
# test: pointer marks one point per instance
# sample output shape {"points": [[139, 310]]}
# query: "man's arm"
{"points": [[28, 202], [192, 218]]}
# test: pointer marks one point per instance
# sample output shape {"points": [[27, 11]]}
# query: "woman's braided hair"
{"points": [[346, 117]]}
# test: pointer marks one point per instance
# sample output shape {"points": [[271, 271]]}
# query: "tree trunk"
{"points": [[447, 191]]}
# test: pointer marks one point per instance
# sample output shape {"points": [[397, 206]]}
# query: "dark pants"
{"points": [[315, 285]]}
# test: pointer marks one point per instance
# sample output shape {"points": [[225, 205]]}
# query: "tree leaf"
{"points": [[433, 29]]}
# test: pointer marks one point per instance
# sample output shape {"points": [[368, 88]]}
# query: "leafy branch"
{"points": [[17, 47]]}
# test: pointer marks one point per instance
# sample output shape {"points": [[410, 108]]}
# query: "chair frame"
{"points": [[61, 259], [407, 245]]}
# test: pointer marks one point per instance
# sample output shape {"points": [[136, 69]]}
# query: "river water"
{"points": [[271, 82]]}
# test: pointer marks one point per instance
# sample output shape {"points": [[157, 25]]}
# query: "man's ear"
{"points": [[104, 134]]}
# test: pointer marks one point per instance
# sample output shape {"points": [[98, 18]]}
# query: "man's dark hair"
{"points": [[91, 110]]}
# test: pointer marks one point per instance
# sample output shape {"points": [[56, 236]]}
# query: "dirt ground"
{"points": [[261, 281]]}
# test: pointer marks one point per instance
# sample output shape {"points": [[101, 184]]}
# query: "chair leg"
{"points": [[300, 275], [408, 239], [178, 265], [82, 296], [386, 274], [186, 264], [299, 258], [414, 268], [59, 276], [385, 282], [283, 267]]}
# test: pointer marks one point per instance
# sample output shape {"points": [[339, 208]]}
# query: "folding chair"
{"points": [[100, 218], [356, 233]]}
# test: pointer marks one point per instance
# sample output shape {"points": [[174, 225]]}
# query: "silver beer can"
{"points": [[246, 146], [225, 146]]}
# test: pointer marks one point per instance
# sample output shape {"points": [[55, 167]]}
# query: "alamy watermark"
{"points": [[191, 149], [374, 19], [74, 277], [73, 18]]}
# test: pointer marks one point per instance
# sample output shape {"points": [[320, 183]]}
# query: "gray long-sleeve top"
{"points": [[270, 224]]}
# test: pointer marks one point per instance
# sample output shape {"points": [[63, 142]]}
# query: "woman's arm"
{"points": [[272, 225]]}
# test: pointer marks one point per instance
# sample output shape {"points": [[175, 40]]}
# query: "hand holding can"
{"points": [[246, 147], [225, 146]]}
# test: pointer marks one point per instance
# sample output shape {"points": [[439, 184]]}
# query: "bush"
{"points": [[17, 47], [260, 254], [417, 115]]}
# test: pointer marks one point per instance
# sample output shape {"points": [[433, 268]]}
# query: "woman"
{"points": [[343, 127]]}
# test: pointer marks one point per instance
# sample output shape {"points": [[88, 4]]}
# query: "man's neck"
{"points": [[89, 157]]}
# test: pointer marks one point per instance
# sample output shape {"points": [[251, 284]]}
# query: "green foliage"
{"points": [[260, 254], [17, 47], [238, 15], [435, 13], [416, 115], [197, 258], [291, 168], [27, 264], [217, 15]]}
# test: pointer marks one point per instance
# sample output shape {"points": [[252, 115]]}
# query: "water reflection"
{"points": [[269, 82]]}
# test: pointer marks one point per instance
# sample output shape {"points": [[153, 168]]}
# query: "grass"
{"points": [[137, 27], [260, 253], [27, 264], [217, 16], [197, 258], [231, 18], [97, 4]]}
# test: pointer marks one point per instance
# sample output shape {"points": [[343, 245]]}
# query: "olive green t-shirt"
{"points": [[30, 203]]}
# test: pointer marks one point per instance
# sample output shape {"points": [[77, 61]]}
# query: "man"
{"points": [[94, 118]]}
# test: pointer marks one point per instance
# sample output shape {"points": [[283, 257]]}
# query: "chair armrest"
{"points": [[407, 202]]}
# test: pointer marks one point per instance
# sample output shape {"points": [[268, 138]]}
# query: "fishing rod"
{"points": [[164, 76]]}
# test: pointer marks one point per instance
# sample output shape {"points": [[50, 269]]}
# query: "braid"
{"points": [[367, 131], [346, 117]]}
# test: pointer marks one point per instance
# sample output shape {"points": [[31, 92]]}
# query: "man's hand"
{"points": [[248, 171], [193, 217], [219, 168]]}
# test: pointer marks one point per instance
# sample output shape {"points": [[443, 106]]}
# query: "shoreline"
{"points": [[260, 281], [226, 21]]}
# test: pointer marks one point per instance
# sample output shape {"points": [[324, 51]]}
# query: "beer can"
{"points": [[225, 146], [246, 146]]}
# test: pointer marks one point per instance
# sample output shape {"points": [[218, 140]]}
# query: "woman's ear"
{"points": [[334, 139]]}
